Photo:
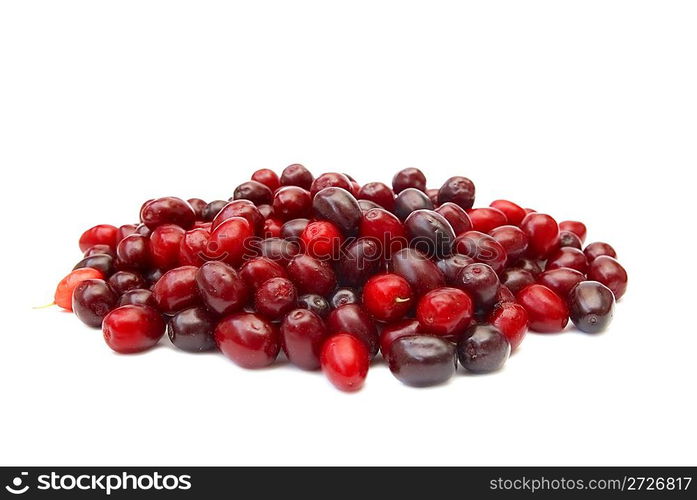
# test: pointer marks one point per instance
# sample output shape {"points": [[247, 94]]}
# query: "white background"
{"points": [[586, 110]]}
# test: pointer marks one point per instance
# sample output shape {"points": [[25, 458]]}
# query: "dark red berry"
{"points": [[409, 178], [63, 296], [610, 273], [311, 275], [275, 297], [192, 330], [176, 290], [482, 248], [515, 279], [254, 191], [421, 273], [100, 250], [292, 202], [296, 175], [343, 296], [409, 201], [458, 190], [133, 252], [481, 283], [198, 205], [456, 216], [293, 229], [547, 312], [102, 262], [130, 329], [247, 339], [122, 281], [165, 244], [512, 239], [561, 280], [338, 206], [330, 179], [222, 290], [279, 250], [430, 233], [169, 210], [240, 208], [315, 303], [354, 320], [344, 360], [597, 249], [569, 257], [92, 300], [268, 178], [212, 209], [591, 306], [451, 267], [578, 228], [137, 297], [394, 331], [260, 269], [483, 349], [359, 261], [302, 334], [379, 193], [422, 361]]}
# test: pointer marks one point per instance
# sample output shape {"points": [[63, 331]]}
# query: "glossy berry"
{"points": [[504, 295], [483, 349], [339, 207], [394, 331], [275, 297], [513, 240], [568, 257], [311, 275], [486, 218], [515, 279], [130, 329], [514, 213], [421, 273], [100, 250], [212, 209], [272, 228], [292, 202], [481, 283], [221, 288], [591, 306], [610, 273], [133, 252], [451, 267], [359, 261], [296, 175], [547, 312], [482, 248], [247, 339], [322, 239], [330, 179], [433, 196], [198, 205], [268, 178], [430, 233], [63, 297], [456, 216], [422, 361], [192, 330], [458, 190], [122, 281], [137, 297], [578, 228], [511, 319], [169, 210], [103, 234], [278, 250], [366, 205], [354, 320], [532, 265], [409, 201], [302, 334], [315, 303], [385, 229], [387, 297], [598, 249], [92, 300], [293, 229], [176, 290], [344, 360], [260, 269], [229, 241], [192, 248], [101, 262], [266, 211], [240, 208], [165, 244], [569, 239], [409, 178], [445, 312], [343, 296], [254, 191], [542, 232], [378, 193], [561, 280]]}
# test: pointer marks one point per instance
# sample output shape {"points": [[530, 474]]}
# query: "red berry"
{"points": [[254, 191], [487, 218], [395, 331], [133, 252], [387, 297], [578, 228], [570, 257], [230, 241], [260, 269], [176, 289], [240, 208], [64, 291], [122, 281], [192, 248], [512, 239], [459, 190], [130, 329], [445, 312], [379, 193], [268, 178], [330, 179], [542, 232], [169, 210], [247, 339], [514, 213], [302, 334], [359, 261], [409, 178], [456, 216], [92, 300], [481, 283], [165, 243], [353, 319], [482, 248], [198, 205], [512, 320], [421, 273], [385, 229], [515, 279], [547, 312], [597, 249], [311, 275], [272, 228], [292, 202], [222, 290], [322, 239], [275, 297], [561, 280], [103, 234], [338, 206], [296, 175], [610, 273], [345, 362]]}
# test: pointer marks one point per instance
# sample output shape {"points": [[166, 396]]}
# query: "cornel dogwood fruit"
{"points": [[333, 272]]}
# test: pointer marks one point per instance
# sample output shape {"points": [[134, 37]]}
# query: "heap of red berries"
{"points": [[333, 272]]}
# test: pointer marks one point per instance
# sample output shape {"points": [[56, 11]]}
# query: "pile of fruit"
{"points": [[333, 272]]}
